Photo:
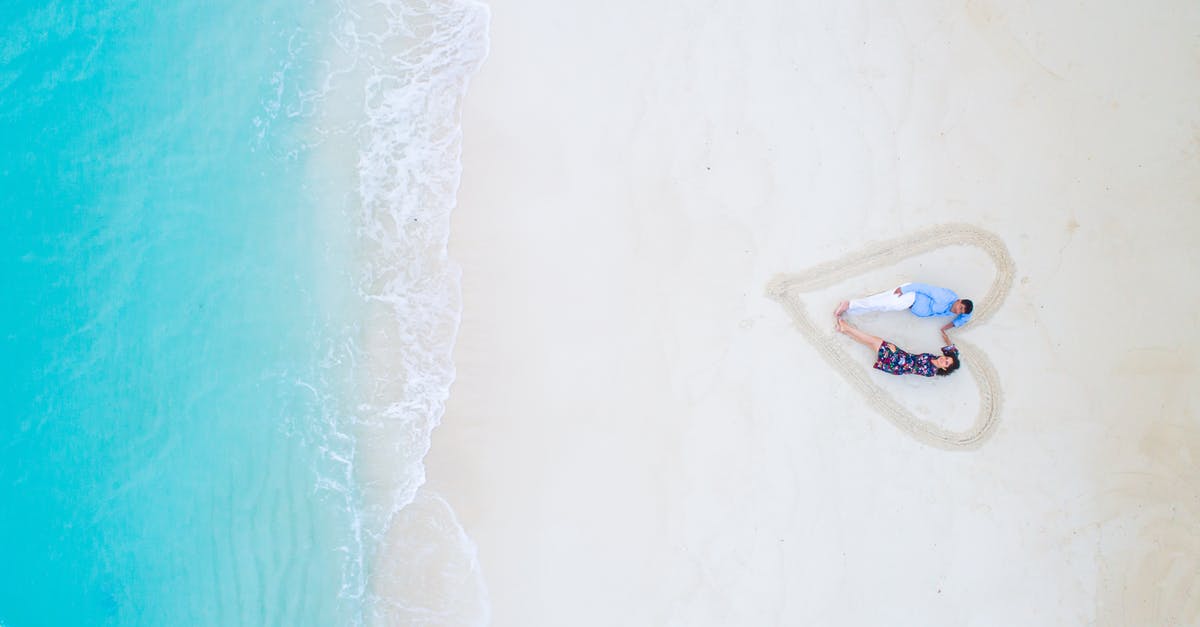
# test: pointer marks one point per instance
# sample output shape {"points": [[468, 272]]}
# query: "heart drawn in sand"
{"points": [[788, 288]]}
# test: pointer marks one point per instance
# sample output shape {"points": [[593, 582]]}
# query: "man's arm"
{"points": [[920, 288], [947, 327], [933, 292], [939, 297], [946, 338]]}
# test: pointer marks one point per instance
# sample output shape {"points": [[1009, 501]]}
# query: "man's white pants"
{"points": [[883, 301]]}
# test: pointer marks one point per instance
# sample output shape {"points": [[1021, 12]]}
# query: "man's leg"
{"points": [[883, 301]]}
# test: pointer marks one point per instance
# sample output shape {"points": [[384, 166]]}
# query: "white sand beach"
{"points": [[641, 434]]}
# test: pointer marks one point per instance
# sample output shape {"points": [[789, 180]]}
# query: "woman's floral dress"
{"points": [[893, 360]]}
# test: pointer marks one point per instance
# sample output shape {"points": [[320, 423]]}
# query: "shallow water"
{"points": [[191, 306]]}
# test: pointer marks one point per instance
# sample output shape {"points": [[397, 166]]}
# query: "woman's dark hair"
{"points": [[954, 364], [968, 306]]}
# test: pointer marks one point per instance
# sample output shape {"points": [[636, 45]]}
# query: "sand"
{"points": [[639, 434], [787, 289]]}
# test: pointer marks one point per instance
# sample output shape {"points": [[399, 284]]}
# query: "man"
{"points": [[921, 299]]}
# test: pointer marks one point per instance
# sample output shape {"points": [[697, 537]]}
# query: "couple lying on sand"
{"points": [[922, 300]]}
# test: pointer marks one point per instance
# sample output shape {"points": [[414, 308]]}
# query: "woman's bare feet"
{"points": [[841, 308]]}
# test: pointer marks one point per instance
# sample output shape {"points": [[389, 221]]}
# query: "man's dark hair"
{"points": [[967, 305], [954, 364]]}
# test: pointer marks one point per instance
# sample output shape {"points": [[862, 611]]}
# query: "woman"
{"points": [[892, 360]]}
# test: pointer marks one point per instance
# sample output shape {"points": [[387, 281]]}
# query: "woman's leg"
{"points": [[867, 339]]}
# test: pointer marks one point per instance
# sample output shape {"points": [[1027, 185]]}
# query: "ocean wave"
{"points": [[389, 101]]}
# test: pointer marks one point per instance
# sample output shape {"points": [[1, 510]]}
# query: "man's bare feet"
{"points": [[841, 308]]}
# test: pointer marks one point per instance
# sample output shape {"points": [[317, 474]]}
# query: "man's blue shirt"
{"points": [[934, 301]]}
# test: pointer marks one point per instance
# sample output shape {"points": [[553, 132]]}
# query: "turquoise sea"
{"points": [[228, 310]]}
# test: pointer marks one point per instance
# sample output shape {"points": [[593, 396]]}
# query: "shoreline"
{"points": [[387, 148]]}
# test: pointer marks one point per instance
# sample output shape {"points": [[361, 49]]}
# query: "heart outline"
{"points": [[786, 288]]}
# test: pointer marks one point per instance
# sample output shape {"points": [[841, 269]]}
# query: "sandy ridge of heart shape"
{"points": [[787, 289]]}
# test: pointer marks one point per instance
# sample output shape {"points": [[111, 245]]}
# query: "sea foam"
{"points": [[388, 102]]}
